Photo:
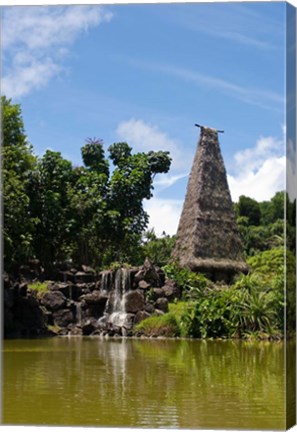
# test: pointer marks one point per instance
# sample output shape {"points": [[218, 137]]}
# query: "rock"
{"points": [[29, 315], [88, 269], [149, 308], [89, 326], [158, 312], [95, 297], [23, 289], [67, 276], [157, 293], [144, 285], [161, 275], [134, 301], [84, 277], [62, 332], [171, 290], [53, 300], [161, 304], [148, 273], [66, 288], [9, 297], [75, 331], [140, 316], [63, 317], [6, 280]]}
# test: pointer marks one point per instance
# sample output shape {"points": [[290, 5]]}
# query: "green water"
{"points": [[144, 383]]}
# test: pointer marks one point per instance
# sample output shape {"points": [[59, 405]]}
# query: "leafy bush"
{"points": [[192, 284], [253, 305], [160, 325]]}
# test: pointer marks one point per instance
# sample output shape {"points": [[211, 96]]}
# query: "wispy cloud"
{"points": [[35, 41], [267, 99], [236, 23]]}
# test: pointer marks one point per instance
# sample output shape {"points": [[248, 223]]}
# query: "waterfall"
{"points": [[106, 281], [78, 313], [116, 301]]}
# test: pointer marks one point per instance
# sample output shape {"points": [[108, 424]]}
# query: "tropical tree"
{"points": [[49, 205], [18, 164]]}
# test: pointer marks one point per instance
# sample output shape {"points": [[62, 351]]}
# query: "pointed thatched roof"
{"points": [[207, 238]]}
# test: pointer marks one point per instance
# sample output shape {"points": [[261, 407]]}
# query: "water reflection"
{"points": [[144, 383]]}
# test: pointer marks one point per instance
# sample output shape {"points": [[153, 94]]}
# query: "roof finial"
{"points": [[206, 127]]}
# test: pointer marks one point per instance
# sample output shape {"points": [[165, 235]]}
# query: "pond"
{"points": [[144, 383]]}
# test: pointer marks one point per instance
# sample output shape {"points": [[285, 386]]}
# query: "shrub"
{"points": [[161, 325], [192, 284]]}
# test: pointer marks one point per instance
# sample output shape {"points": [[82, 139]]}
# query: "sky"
{"points": [[145, 74]]}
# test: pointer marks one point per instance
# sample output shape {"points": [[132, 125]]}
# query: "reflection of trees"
{"points": [[219, 384], [152, 383]]}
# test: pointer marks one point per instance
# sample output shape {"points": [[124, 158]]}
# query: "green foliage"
{"points": [[18, 163], [192, 284], [49, 205], [119, 153], [93, 156], [249, 208], [159, 325], [39, 287], [157, 249], [272, 210], [253, 305]]}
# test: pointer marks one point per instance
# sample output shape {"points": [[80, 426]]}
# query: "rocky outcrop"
{"points": [[24, 316], [81, 302]]}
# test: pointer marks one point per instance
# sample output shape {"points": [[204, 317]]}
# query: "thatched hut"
{"points": [[207, 239]]}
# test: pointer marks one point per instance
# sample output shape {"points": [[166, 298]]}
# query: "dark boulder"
{"points": [[53, 300], [140, 316], [74, 330], [89, 326], [84, 277], [161, 304], [93, 298], [171, 290], [157, 293], [65, 288], [149, 308], [23, 286], [134, 301], [149, 274], [63, 317]]}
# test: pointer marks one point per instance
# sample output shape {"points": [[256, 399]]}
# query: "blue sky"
{"points": [[145, 74]]}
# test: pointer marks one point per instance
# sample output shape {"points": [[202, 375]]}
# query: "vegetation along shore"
{"points": [[78, 259]]}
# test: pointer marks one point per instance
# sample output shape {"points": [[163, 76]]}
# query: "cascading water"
{"points": [[115, 312], [78, 313], [106, 281]]}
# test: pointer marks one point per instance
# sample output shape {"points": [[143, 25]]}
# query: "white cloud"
{"points": [[260, 170], [145, 137], [164, 214], [26, 77], [35, 41], [262, 184]]}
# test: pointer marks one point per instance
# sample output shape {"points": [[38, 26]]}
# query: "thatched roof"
{"points": [[207, 238]]}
